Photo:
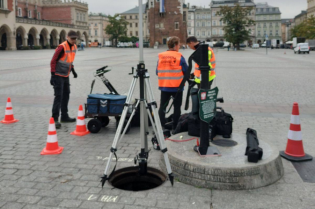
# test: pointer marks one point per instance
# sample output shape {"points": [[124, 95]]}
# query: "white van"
{"points": [[209, 44], [302, 48], [256, 46]]}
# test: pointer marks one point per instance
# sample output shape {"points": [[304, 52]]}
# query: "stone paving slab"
{"points": [[258, 90]]}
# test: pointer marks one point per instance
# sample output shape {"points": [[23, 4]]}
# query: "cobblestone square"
{"points": [[258, 90]]}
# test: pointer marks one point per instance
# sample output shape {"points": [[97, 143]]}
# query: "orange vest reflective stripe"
{"points": [[64, 65], [170, 73], [212, 64]]}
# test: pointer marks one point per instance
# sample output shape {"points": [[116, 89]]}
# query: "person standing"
{"points": [[194, 44], [170, 70], [61, 66]]}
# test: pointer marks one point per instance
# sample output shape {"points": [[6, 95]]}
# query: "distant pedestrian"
{"points": [[82, 46], [229, 47]]}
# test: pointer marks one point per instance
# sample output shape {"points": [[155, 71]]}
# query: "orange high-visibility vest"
{"points": [[170, 73], [64, 65], [212, 64]]}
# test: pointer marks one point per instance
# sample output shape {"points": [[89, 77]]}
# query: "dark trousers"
{"points": [[165, 98], [62, 95]]}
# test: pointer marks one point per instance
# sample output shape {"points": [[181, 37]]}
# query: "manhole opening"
{"points": [[131, 180], [224, 142]]}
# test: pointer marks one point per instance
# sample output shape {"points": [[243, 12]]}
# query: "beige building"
{"points": [[300, 18], [131, 16], [268, 23], [286, 26], [217, 25], [42, 23], [97, 25], [310, 8]]}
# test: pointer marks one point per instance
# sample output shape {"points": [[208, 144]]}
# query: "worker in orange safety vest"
{"points": [[170, 70], [194, 44]]}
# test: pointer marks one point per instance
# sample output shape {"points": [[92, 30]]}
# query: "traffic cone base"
{"points": [[307, 157], [8, 122], [79, 133], [52, 152]]}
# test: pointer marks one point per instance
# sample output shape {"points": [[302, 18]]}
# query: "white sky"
{"points": [[289, 8]]}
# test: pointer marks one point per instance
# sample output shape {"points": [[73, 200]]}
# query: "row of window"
{"points": [[207, 24], [267, 9], [207, 33], [95, 33], [29, 13], [268, 17], [270, 25], [161, 25], [270, 33], [80, 16]]}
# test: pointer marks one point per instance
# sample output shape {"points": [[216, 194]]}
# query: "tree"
{"points": [[306, 29], [237, 23], [117, 27]]}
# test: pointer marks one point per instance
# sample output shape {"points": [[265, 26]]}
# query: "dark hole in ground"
{"points": [[224, 142], [129, 179]]}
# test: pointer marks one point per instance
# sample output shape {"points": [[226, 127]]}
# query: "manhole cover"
{"points": [[224, 142], [130, 179]]}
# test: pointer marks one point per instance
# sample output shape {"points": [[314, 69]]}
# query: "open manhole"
{"points": [[224, 142], [130, 179]]}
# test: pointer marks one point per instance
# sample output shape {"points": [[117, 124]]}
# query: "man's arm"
{"points": [[157, 67], [58, 54], [184, 65]]}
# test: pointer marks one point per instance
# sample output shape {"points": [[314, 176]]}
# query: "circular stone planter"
{"points": [[230, 171]]}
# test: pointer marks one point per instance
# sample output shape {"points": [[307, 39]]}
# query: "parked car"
{"points": [[219, 44], [255, 46], [242, 45], [210, 44], [302, 48]]}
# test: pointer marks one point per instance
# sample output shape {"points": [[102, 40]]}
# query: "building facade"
{"points": [[217, 25], [300, 17], [268, 23], [97, 24], [203, 24], [191, 21], [286, 25], [131, 16], [310, 8], [172, 21], [42, 23]]}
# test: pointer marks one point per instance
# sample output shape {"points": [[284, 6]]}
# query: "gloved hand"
{"points": [[75, 75], [52, 79], [192, 76]]}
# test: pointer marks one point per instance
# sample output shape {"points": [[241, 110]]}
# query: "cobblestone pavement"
{"points": [[258, 89]]}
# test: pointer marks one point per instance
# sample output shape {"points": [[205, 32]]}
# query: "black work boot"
{"points": [[67, 120], [57, 124]]}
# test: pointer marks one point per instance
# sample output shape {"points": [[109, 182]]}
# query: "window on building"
{"points": [[209, 16], [203, 33], [214, 23], [258, 25], [130, 17], [136, 16], [95, 24], [20, 12], [189, 17], [214, 32], [220, 23], [197, 24], [130, 25], [38, 15], [136, 33], [265, 33], [198, 33], [203, 16], [29, 14], [130, 33], [136, 24], [221, 32], [270, 24], [208, 24], [184, 16], [203, 24], [189, 31], [90, 33], [213, 14], [261, 9], [176, 25], [277, 33], [209, 33], [267, 9], [265, 25], [151, 4], [270, 33], [259, 33], [189, 24], [77, 16]]}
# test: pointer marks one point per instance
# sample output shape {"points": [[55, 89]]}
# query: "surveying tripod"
{"points": [[146, 102]]}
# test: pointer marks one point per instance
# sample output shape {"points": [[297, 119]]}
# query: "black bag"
{"points": [[182, 125], [194, 127], [222, 123]]}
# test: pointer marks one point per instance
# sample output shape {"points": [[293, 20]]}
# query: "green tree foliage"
{"points": [[237, 23], [132, 39], [306, 29], [117, 27]]}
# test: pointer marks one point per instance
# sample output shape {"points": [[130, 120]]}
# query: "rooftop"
{"points": [[136, 10], [231, 3], [265, 8], [301, 14]]}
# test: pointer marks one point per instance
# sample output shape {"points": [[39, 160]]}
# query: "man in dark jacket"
{"points": [[61, 65]]}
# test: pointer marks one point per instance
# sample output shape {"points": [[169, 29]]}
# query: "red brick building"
{"points": [[171, 23]]}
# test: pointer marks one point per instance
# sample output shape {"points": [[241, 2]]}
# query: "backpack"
{"points": [[182, 125], [222, 123], [194, 127]]}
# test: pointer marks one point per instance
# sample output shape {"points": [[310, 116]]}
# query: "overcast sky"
{"points": [[289, 8]]}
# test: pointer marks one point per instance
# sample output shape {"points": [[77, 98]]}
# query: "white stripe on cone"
{"points": [[52, 138], [80, 122], [80, 113], [52, 127], [9, 112], [295, 135], [9, 104], [295, 119]]}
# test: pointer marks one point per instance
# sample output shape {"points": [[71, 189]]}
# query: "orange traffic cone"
{"points": [[9, 117], [295, 150], [52, 147], [81, 127]]}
